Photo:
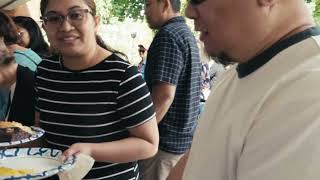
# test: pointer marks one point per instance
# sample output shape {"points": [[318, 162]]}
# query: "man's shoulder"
{"points": [[180, 35], [175, 28]]}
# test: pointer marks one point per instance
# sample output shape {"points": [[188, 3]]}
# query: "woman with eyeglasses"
{"points": [[89, 100], [31, 35]]}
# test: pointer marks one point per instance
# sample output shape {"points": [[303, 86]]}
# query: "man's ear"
{"points": [[165, 4], [266, 2], [97, 22]]}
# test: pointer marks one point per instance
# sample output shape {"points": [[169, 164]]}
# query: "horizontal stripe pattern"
{"points": [[96, 105]]}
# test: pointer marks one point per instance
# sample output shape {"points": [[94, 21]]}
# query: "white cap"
{"points": [[11, 4]]}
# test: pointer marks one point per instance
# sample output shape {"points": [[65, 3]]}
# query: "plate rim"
{"points": [[66, 165], [39, 133]]}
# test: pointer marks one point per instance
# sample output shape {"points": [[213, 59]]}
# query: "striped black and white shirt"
{"points": [[95, 105]]}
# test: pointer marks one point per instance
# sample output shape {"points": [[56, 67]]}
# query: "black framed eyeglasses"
{"points": [[75, 17], [196, 2]]}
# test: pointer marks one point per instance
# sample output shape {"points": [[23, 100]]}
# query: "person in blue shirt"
{"points": [[25, 57]]}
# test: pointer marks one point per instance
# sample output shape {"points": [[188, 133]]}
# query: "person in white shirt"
{"points": [[263, 121]]}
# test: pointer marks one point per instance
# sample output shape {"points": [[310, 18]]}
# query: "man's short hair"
{"points": [[176, 5], [141, 47]]}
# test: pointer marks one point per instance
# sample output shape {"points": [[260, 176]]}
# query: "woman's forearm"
{"points": [[122, 151], [142, 144]]}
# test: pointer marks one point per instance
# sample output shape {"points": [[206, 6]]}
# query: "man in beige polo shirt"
{"points": [[263, 121]]}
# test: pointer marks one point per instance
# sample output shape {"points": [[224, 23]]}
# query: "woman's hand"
{"points": [[83, 148]]}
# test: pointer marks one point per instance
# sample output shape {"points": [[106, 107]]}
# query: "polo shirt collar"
{"points": [[175, 20], [255, 63]]}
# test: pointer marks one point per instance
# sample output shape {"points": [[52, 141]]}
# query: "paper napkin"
{"points": [[81, 168]]}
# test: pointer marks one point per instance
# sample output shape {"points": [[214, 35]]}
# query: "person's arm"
{"points": [[142, 144], [162, 96], [37, 110], [40, 142], [37, 119], [165, 68], [177, 172]]}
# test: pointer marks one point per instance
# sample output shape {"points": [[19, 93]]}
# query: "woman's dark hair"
{"points": [[92, 5], [37, 42], [8, 29]]}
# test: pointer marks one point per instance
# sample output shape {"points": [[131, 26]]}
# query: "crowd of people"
{"points": [[261, 120]]}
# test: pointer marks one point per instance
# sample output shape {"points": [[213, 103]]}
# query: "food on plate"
{"points": [[14, 131], [4, 171]]}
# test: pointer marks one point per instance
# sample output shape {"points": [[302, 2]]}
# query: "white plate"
{"points": [[43, 162], [38, 132], [11, 4]]}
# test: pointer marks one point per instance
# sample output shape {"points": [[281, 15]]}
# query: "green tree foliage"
{"points": [[104, 8], [128, 9], [316, 12], [119, 10]]}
